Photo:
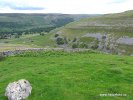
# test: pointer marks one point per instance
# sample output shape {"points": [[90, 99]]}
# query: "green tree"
{"points": [[16, 35], [56, 35], [60, 41]]}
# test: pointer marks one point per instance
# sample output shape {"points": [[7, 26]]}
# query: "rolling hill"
{"points": [[112, 33], [11, 23]]}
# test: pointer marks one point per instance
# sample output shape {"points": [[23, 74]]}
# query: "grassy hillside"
{"points": [[111, 33], [120, 24], [11, 23], [70, 76], [107, 31]]}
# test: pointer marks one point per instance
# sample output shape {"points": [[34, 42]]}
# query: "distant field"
{"points": [[6, 47], [27, 41], [70, 76]]}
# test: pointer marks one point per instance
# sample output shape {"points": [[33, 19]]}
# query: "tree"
{"points": [[56, 35], [60, 41], [75, 39], [16, 35], [42, 34]]}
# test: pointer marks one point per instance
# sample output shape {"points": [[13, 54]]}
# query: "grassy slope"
{"points": [[120, 24], [70, 76]]}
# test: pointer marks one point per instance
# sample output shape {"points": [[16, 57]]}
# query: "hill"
{"points": [[56, 75], [18, 23], [112, 33]]}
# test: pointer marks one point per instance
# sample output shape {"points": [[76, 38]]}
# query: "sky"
{"points": [[65, 6]]}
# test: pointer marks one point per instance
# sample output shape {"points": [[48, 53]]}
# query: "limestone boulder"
{"points": [[18, 90]]}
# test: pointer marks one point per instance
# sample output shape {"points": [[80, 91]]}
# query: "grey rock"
{"points": [[18, 90]]}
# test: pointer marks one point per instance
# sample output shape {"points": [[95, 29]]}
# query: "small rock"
{"points": [[18, 90]]}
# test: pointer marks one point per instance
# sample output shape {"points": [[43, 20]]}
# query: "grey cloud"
{"points": [[18, 7], [27, 8]]}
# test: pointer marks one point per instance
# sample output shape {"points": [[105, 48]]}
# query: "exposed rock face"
{"points": [[18, 90], [125, 40], [111, 43]]}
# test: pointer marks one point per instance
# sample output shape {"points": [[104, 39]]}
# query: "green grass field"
{"points": [[56, 75]]}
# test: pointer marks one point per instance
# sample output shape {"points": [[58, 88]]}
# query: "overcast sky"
{"points": [[65, 6]]}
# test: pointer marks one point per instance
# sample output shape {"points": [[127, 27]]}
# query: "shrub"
{"points": [[94, 46], [56, 35], [75, 39], [60, 41], [16, 35], [83, 45], [75, 45], [42, 34], [31, 41]]}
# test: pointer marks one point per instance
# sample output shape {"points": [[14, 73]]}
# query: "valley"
{"points": [[110, 33], [67, 56]]}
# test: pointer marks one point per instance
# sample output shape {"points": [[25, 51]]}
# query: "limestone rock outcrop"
{"points": [[18, 90]]}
